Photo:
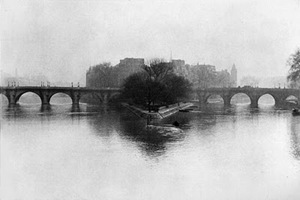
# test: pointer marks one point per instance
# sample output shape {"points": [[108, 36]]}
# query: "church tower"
{"points": [[233, 76]]}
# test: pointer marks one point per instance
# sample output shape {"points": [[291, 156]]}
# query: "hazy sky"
{"points": [[62, 38]]}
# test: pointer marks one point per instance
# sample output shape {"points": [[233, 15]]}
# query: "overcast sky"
{"points": [[62, 38]]}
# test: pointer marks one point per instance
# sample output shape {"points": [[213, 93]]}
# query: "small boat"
{"points": [[295, 112], [176, 123]]}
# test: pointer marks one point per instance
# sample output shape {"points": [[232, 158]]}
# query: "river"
{"points": [[105, 152]]}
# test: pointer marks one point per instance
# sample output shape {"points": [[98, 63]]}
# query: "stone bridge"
{"points": [[13, 94], [279, 95]]}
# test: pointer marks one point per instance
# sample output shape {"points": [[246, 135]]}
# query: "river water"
{"points": [[105, 152]]}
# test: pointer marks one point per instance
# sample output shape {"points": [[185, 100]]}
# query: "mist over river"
{"points": [[105, 152]]}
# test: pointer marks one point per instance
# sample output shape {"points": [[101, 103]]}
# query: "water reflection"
{"points": [[46, 108], [104, 120], [96, 151], [152, 142], [295, 136]]}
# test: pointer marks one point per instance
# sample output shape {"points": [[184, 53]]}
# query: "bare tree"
{"points": [[294, 72], [158, 69], [203, 76], [155, 85]]}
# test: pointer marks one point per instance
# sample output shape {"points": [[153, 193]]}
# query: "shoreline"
{"points": [[162, 113]]}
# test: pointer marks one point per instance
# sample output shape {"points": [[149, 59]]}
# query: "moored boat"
{"points": [[295, 112]]}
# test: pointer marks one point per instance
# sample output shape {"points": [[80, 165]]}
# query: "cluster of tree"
{"points": [[205, 76], [294, 72], [102, 75], [156, 85]]}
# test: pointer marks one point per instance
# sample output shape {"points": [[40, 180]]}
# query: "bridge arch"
{"points": [[4, 99], [214, 98], [66, 97], [21, 94], [113, 96], [267, 99], [292, 99], [240, 98]]}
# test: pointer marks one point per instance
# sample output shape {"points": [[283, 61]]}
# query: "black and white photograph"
{"points": [[150, 100]]}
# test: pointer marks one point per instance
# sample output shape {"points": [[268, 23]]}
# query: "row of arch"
{"points": [[56, 98], [31, 97], [214, 98], [245, 99]]}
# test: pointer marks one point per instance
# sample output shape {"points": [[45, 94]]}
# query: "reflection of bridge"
{"points": [[13, 94], [279, 95]]}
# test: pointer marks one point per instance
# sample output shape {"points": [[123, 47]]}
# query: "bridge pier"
{"points": [[298, 101], [226, 99], [75, 98], [45, 99], [254, 103], [202, 99], [11, 99], [105, 99], [279, 102], [202, 103]]}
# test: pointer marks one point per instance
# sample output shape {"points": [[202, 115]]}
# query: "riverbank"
{"points": [[163, 112]]}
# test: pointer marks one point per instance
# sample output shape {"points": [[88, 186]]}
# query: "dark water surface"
{"points": [[104, 152]]}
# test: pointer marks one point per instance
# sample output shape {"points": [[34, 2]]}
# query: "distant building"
{"points": [[233, 76], [180, 68], [210, 67], [178, 63], [128, 66], [105, 75], [132, 65]]}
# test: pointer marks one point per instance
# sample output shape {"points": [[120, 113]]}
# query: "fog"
{"points": [[62, 38]]}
